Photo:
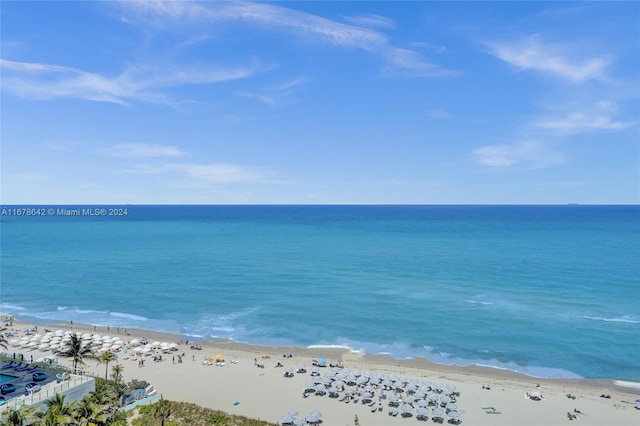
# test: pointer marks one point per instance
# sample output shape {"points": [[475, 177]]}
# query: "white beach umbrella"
{"points": [[138, 350], [406, 408], [155, 344], [453, 414], [421, 411], [287, 420], [451, 407], [408, 399], [445, 399], [173, 345], [134, 342]]}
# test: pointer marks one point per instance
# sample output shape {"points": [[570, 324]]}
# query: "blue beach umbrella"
{"points": [[322, 362]]}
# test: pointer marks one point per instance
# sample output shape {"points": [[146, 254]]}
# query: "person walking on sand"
{"points": [[356, 422]]}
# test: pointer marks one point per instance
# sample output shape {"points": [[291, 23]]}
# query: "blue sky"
{"points": [[320, 102]]}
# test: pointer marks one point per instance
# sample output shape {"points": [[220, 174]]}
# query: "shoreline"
{"points": [[335, 352], [238, 386]]}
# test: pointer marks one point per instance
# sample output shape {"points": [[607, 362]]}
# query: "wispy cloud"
{"points": [[559, 60], [598, 116], [218, 173], [300, 24], [207, 173], [142, 83], [274, 95], [579, 122], [439, 114], [525, 155], [370, 20], [143, 150]]}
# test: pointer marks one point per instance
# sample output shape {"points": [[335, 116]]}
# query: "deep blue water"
{"points": [[551, 291]]}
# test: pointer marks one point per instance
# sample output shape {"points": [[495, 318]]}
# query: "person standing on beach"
{"points": [[356, 422]]}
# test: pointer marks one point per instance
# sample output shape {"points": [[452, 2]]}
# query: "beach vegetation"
{"points": [[185, 413], [58, 412], [77, 349], [106, 358], [17, 416]]}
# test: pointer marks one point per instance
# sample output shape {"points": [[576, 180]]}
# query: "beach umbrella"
{"points": [[421, 411], [407, 410], [338, 383], [437, 412], [362, 380], [451, 407], [134, 342], [299, 422], [453, 414], [445, 399], [316, 413], [322, 362], [422, 403], [408, 399], [302, 368], [312, 420], [287, 420]]}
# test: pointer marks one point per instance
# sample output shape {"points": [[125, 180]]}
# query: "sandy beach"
{"points": [[239, 386]]}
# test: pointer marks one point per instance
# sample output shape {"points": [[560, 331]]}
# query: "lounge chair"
{"points": [[10, 365]]}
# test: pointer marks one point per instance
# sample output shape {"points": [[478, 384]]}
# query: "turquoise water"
{"points": [[552, 291], [5, 378]]}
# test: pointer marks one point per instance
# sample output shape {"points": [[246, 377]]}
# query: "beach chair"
{"points": [[10, 365]]}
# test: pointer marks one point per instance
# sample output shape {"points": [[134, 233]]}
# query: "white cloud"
{"points": [[372, 21], [300, 24], [439, 114], [143, 150], [598, 116], [555, 59], [46, 81], [218, 173], [525, 154], [579, 122], [193, 173]]}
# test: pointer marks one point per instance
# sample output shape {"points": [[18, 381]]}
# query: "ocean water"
{"points": [[550, 291]]}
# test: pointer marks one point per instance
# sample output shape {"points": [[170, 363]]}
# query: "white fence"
{"points": [[74, 388]]}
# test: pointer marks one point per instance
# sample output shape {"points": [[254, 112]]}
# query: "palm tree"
{"points": [[161, 410], [116, 372], [106, 358], [16, 416], [84, 411], [78, 350], [57, 406]]}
